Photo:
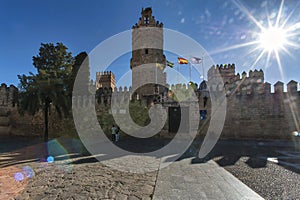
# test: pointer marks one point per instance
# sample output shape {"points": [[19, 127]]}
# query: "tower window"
{"points": [[146, 51], [146, 19]]}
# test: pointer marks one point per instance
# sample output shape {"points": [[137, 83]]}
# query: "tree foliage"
{"points": [[139, 113], [49, 86]]}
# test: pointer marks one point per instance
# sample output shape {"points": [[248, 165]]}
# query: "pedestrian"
{"points": [[114, 132], [117, 134], [204, 101]]}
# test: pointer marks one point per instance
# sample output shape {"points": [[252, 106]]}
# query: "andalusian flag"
{"points": [[195, 60], [182, 61], [160, 66], [170, 64]]}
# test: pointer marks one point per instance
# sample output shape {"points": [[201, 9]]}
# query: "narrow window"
{"points": [[146, 51]]}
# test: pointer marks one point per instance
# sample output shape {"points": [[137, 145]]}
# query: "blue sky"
{"points": [[223, 28]]}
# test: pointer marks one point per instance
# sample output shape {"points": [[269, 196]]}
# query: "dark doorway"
{"points": [[175, 114]]}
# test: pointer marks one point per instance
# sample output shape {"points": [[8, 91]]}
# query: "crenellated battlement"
{"points": [[250, 87], [8, 103], [105, 79], [250, 84], [253, 76], [227, 72], [105, 73], [223, 67], [105, 96], [8, 96], [147, 20]]}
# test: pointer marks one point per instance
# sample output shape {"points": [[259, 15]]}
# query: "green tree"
{"points": [[49, 86]]}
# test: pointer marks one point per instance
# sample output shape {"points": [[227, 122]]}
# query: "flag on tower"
{"points": [[182, 60], [170, 64], [195, 60], [160, 66]]}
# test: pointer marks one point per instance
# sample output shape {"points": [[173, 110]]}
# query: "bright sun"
{"points": [[272, 39]]}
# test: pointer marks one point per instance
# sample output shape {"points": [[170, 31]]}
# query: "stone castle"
{"points": [[147, 32], [105, 80], [8, 102], [253, 111]]}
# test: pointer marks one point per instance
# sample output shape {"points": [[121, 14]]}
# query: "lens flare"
{"points": [[296, 133], [50, 159], [28, 172], [19, 176], [12, 182], [272, 39]]}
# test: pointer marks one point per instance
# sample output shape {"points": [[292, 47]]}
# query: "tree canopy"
{"points": [[49, 86]]}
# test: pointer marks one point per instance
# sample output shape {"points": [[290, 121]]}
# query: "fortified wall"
{"points": [[8, 103], [12, 123], [115, 101], [253, 111]]}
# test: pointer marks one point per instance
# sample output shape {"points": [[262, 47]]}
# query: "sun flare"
{"points": [[272, 39], [276, 35]]}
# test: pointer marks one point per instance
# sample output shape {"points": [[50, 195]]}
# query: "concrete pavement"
{"points": [[184, 180]]}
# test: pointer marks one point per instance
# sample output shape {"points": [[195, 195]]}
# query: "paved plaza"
{"points": [[76, 175], [184, 180]]}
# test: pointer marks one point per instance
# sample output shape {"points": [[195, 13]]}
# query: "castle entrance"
{"points": [[175, 114]]}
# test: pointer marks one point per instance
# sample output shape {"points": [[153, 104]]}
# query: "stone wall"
{"points": [[253, 111], [12, 123], [148, 59], [8, 103], [105, 79]]}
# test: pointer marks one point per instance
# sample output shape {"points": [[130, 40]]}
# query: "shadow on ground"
{"points": [[257, 153], [226, 152], [19, 150]]}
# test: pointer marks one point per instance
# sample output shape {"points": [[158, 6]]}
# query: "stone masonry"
{"points": [[148, 61], [8, 102], [253, 111], [105, 80]]}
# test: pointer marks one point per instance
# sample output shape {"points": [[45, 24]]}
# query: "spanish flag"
{"points": [[182, 61]]}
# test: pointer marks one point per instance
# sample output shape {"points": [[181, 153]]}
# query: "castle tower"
{"points": [[227, 72], [147, 64], [105, 80]]}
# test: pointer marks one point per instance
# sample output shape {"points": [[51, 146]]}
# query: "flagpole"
{"points": [[177, 79], [190, 71], [155, 72], [203, 67]]}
